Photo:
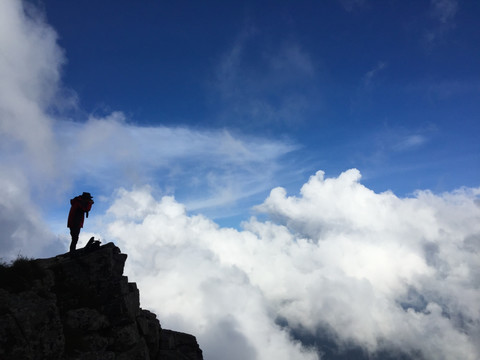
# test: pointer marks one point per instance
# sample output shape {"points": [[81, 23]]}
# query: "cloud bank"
{"points": [[381, 272], [29, 69]]}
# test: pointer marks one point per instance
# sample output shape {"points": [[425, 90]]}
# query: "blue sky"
{"points": [[311, 168], [391, 88]]}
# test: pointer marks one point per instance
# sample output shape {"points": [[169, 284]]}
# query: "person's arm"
{"points": [[88, 207]]}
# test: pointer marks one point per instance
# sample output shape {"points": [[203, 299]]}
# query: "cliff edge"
{"points": [[83, 308]]}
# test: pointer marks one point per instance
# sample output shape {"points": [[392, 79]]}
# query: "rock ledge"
{"points": [[83, 308]]}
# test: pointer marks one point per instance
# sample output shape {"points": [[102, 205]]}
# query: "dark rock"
{"points": [[177, 345], [81, 307], [29, 324]]}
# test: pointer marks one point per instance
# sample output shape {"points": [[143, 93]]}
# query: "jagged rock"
{"points": [[177, 345], [82, 307]]}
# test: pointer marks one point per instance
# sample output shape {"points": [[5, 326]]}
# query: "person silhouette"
{"points": [[81, 205]]}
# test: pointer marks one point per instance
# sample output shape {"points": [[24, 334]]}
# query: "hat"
{"points": [[87, 195]]}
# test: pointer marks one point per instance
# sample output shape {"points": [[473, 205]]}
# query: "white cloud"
{"points": [[227, 167], [23, 231], [29, 69], [44, 157], [217, 296], [378, 270], [372, 268]]}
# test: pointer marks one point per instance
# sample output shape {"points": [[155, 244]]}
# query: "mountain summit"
{"points": [[81, 307]]}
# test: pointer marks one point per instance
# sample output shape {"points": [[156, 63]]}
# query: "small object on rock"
{"points": [[92, 244]]}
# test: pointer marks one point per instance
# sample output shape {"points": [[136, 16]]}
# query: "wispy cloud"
{"points": [[409, 142], [444, 10], [265, 86], [370, 76], [224, 165], [391, 139], [443, 14]]}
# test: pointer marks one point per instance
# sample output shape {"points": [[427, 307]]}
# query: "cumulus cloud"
{"points": [[23, 230], [378, 271], [30, 71]]}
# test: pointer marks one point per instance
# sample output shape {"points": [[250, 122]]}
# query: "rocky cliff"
{"points": [[81, 307]]}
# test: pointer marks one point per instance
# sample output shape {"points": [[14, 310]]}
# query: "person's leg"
{"points": [[75, 232]]}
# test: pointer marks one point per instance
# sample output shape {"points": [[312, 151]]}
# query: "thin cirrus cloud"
{"points": [[275, 86], [370, 77], [111, 151], [444, 10], [409, 142], [443, 14]]}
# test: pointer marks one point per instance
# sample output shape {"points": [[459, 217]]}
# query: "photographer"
{"points": [[81, 205]]}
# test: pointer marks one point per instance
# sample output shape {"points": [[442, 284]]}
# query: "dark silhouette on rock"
{"points": [[81, 307], [92, 244], [80, 206]]}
